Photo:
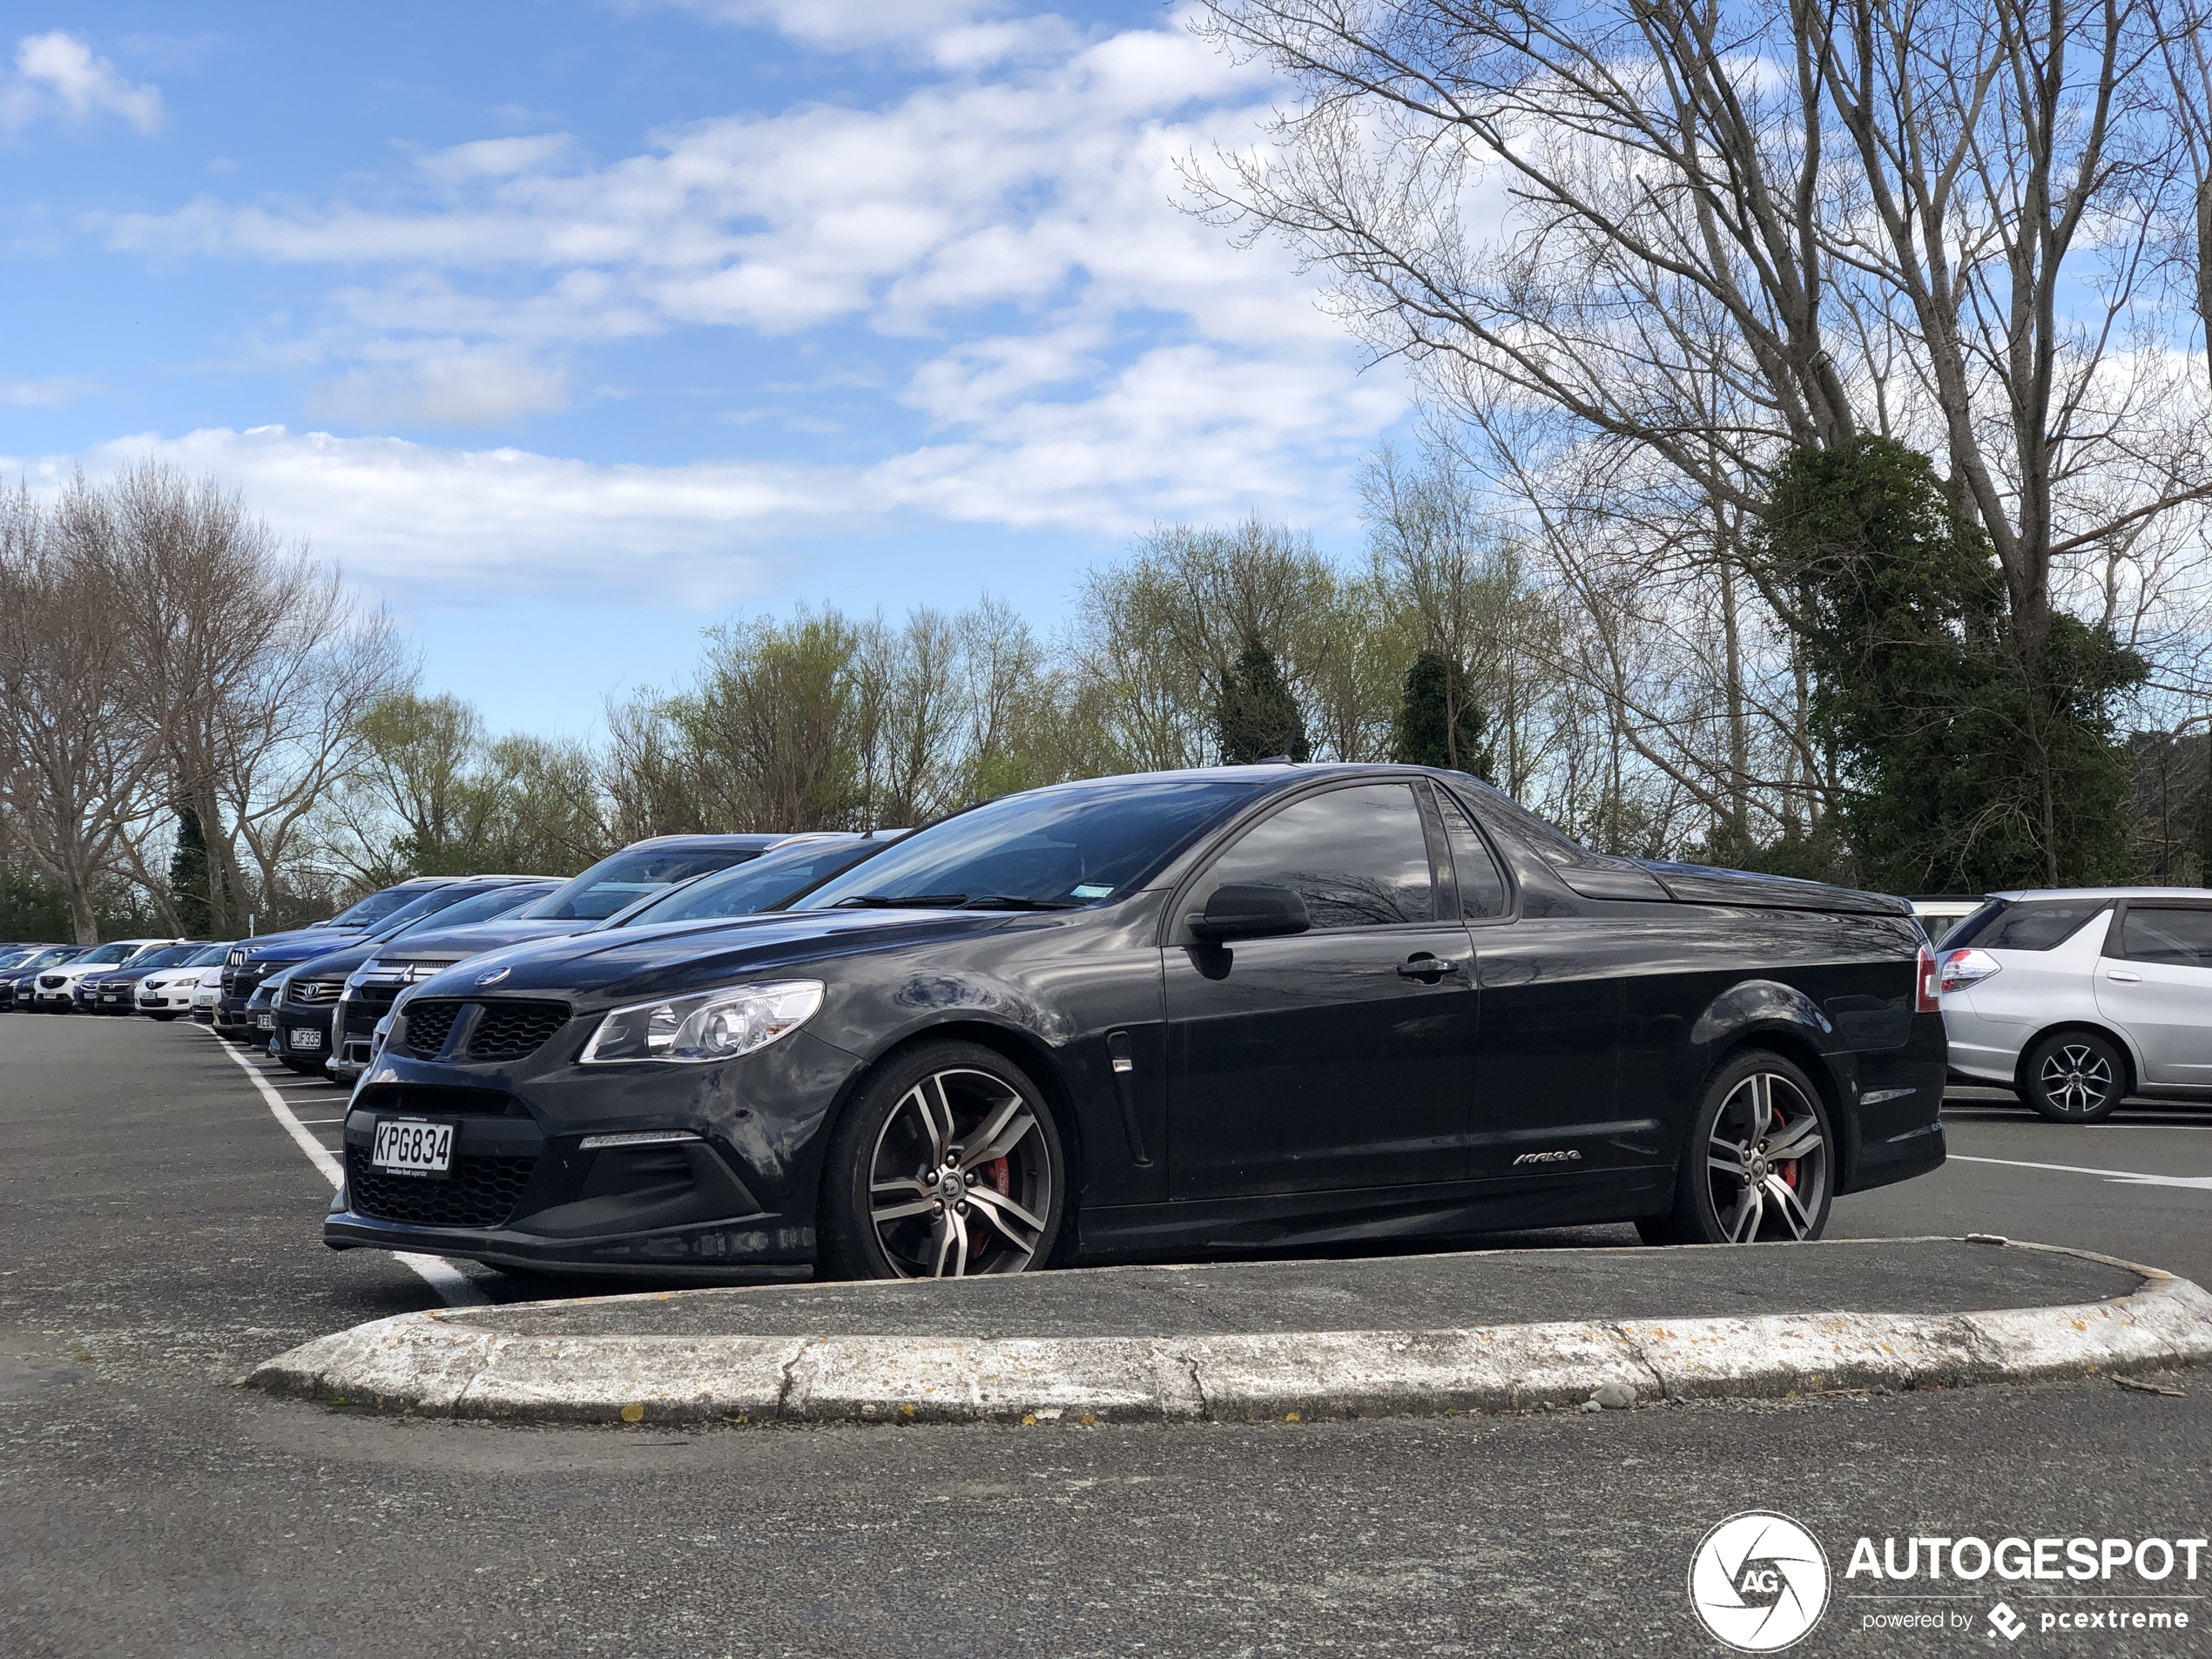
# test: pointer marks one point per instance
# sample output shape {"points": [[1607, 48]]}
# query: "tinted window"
{"points": [[481, 906], [1482, 890], [106, 955], [375, 907], [168, 958], [212, 956], [1072, 844], [629, 876], [2017, 926], [1358, 857], [768, 881], [2152, 934], [424, 904]]}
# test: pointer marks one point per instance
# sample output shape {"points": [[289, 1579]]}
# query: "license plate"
{"points": [[408, 1146], [265, 1023], [300, 1037], [110, 996]]}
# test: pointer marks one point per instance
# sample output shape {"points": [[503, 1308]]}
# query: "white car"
{"points": [[55, 991], [2079, 997], [167, 991], [206, 993]]}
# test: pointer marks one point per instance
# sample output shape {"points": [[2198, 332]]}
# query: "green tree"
{"points": [[1257, 717], [1967, 762], [1439, 721], [188, 871]]}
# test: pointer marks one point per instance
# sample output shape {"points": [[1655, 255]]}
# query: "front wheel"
{"points": [[1760, 1165], [948, 1164], [2074, 1077]]}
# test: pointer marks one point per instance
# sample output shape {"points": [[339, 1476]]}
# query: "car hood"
{"points": [[651, 962], [453, 944], [334, 964], [300, 943]]}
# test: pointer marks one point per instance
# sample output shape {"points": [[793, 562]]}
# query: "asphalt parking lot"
{"points": [[161, 1227]]}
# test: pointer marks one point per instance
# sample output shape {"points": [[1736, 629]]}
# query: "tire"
{"points": [[1731, 1189], [2074, 1077], [903, 1199]]}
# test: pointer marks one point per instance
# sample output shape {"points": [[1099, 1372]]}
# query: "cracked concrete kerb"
{"points": [[439, 1362]]}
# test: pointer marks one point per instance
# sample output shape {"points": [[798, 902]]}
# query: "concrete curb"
{"points": [[436, 1363]]}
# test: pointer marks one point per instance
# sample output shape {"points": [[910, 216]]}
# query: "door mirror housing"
{"points": [[1250, 911]]}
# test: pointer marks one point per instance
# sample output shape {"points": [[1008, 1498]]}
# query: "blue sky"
{"points": [[569, 329]]}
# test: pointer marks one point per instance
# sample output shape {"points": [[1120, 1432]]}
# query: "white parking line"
{"points": [[454, 1286], [2201, 1183]]}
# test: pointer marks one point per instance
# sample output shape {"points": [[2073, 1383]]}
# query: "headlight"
{"points": [[712, 1025]]}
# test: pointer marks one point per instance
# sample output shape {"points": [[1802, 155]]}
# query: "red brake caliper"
{"points": [[996, 1173], [1789, 1167]]}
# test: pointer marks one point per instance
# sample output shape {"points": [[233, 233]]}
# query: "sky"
{"points": [[569, 329]]}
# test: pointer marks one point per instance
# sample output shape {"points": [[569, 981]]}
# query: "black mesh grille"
{"points": [[480, 1191], [509, 1030], [427, 1025], [438, 1102]]}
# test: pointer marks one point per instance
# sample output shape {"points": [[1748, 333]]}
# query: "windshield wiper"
{"points": [[1002, 901], [902, 901]]}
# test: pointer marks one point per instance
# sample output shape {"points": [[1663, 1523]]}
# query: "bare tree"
{"points": [[80, 762], [1698, 235]]}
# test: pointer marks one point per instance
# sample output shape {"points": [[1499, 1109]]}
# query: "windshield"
{"points": [[212, 956], [629, 876], [168, 958], [375, 909], [14, 958], [762, 884], [424, 904], [483, 906], [104, 956], [55, 957], [1072, 844]]}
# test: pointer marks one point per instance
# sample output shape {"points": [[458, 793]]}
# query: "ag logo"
{"points": [[1759, 1581]]}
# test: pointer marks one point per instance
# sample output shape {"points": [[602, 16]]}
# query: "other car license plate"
{"points": [[265, 1023], [409, 1146], [300, 1037]]}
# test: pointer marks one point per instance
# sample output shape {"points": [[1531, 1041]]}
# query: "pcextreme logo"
{"points": [[1758, 1581]]}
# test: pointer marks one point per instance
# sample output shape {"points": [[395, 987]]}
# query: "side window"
{"points": [[2036, 926], [1359, 857], [2156, 934], [1482, 890]]}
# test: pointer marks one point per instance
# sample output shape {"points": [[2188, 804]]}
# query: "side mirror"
{"points": [[1251, 911]]}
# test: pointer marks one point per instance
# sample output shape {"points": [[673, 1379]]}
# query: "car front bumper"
{"points": [[527, 1191]]}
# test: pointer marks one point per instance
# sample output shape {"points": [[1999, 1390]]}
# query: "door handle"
{"points": [[2124, 978], [1430, 969]]}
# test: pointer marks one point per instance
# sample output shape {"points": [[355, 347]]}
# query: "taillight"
{"points": [[1924, 997], [1964, 967]]}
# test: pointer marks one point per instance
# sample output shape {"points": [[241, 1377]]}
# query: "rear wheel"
{"points": [[947, 1166], [1760, 1165], [2074, 1077]]}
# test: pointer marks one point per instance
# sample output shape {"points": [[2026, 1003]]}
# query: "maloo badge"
{"points": [[494, 977]]}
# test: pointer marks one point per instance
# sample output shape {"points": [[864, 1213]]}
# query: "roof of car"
{"points": [[2105, 892], [707, 843]]}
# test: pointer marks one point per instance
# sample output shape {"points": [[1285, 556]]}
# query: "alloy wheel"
{"points": [[2076, 1079], [1767, 1161], [960, 1180]]}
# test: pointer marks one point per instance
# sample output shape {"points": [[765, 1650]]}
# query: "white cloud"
{"points": [[58, 74], [1084, 355], [437, 524], [442, 384], [42, 395]]}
